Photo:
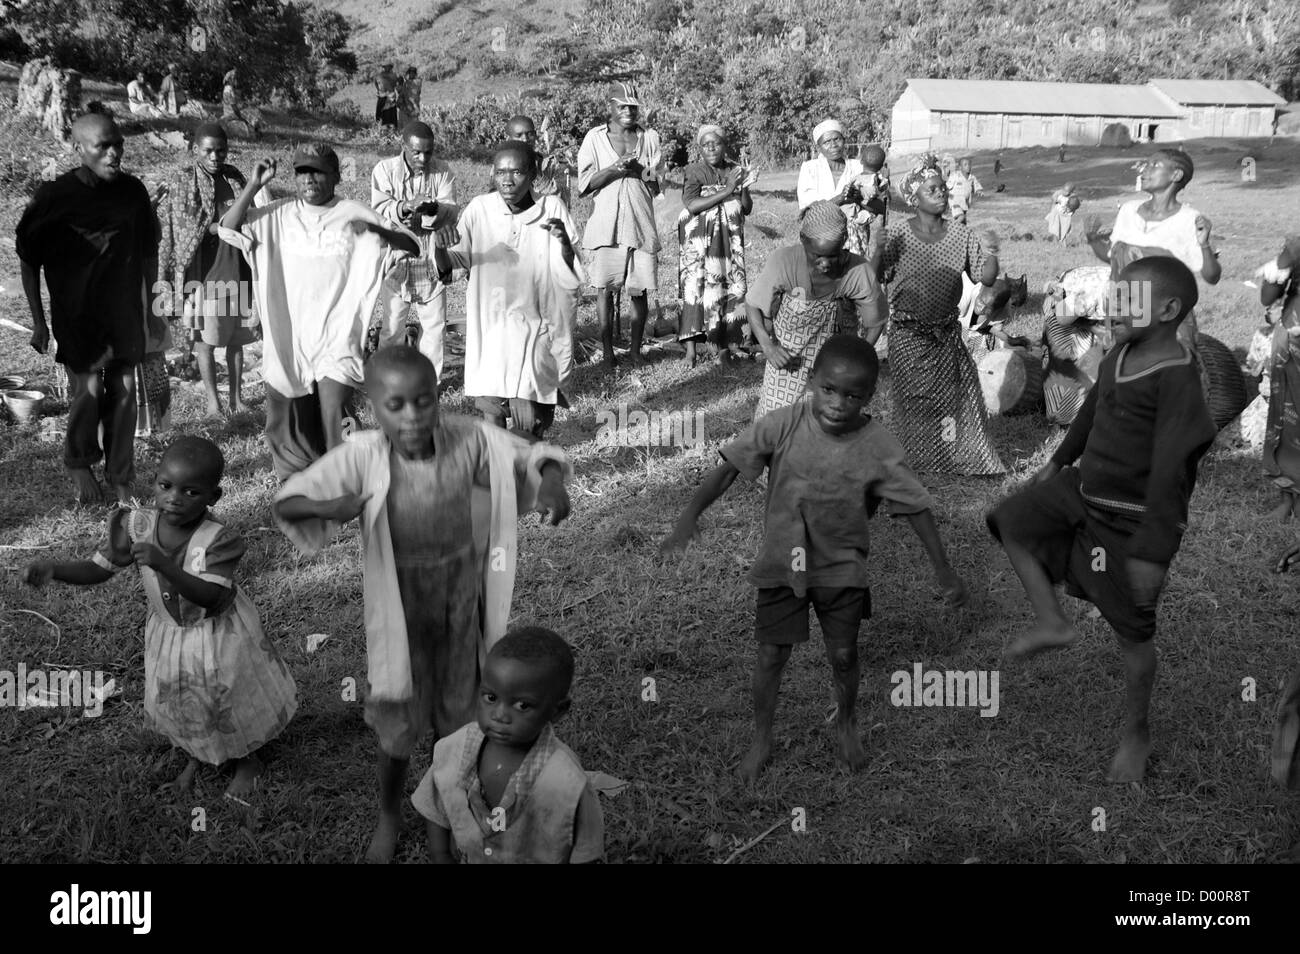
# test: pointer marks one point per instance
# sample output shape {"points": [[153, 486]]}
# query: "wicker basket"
{"points": [[1229, 394]]}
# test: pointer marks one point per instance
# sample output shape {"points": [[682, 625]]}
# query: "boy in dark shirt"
{"points": [[829, 466], [94, 233], [1110, 527]]}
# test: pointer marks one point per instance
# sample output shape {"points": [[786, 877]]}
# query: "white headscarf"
{"points": [[824, 127]]}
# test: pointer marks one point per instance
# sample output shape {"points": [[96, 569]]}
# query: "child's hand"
{"points": [[552, 498], [953, 589], [446, 237], [677, 541], [1092, 227], [342, 509], [1050, 470], [1145, 580], [777, 356], [1284, 562], [39, 573], [146, 554]]}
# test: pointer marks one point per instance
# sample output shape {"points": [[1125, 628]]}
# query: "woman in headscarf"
{"points": [[711, 230], [833, 177], [796, 302], [211, 282], [937, 403]]}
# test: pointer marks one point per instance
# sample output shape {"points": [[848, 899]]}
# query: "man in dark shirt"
{"points": [[94, 233]]}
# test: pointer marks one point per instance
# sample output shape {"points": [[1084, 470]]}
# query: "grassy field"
{"points": [[942, 785]]}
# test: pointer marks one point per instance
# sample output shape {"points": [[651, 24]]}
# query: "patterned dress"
{"points": [[711, 275], [1282, 431], [213, 683], [938, 407]]}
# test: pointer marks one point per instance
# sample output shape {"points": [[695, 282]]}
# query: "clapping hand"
{"points": [[1203, 226], [556, 228], [263, 173]]}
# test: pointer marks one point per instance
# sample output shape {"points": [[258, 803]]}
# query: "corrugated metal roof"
{"points": [[1041, 99], [1218, 92]]}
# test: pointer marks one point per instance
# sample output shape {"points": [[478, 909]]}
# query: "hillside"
{"points": [[427, 33]]}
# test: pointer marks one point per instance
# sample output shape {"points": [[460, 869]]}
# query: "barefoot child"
{"points": [[1110, 527], [829, 466], [436, 549], [213, 683], [509, 768]]}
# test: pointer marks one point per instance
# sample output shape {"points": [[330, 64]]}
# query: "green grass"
{"points": [[942, 784]]}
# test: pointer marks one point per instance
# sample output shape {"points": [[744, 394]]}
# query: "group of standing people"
{"points": [[397, 98]]}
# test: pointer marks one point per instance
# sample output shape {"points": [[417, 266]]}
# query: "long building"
{"points": [[943, 114]]}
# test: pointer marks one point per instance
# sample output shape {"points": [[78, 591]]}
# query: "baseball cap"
{"points": [[316, 155], [624, 94]]}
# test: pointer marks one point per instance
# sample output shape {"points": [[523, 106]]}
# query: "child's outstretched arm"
{"points": [[77, 572], [713, 487], [951, 585], [339, 509], [1288, 559]]}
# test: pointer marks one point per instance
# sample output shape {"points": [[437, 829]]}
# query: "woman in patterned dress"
{"points": [[937, 404], [1282, 431], [711, 231], [799, 300]]}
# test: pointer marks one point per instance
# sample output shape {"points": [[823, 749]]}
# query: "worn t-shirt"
{"points": [[821, 490], [315, 284], [786, 272], [92, 239]]}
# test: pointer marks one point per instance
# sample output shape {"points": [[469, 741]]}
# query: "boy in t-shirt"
{"points": [[1110, 527], [829, 466], [503, 789]]}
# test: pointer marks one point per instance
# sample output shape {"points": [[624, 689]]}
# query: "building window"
{"points": [[981, 127], [1198, 117], [1047, 127]]}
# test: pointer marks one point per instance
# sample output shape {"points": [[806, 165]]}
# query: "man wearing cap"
{"points": [[93, 232], [387, 96], [318, 264], [619, 165], [416, 192]]}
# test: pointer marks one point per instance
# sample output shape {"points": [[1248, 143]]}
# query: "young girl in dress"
{"points": [[1064, 204], [938, 406], [213, 683]]}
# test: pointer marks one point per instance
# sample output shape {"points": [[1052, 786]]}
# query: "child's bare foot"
{"points": [[88, 490], [383, 843], [1041, 637], [247, 772], [759, 754], [123, 492], [185, 781], [849, 747], [213, 413], [236, 406], [1130, 761], [1282, 512]]}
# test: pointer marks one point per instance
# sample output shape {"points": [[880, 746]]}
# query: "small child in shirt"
{"points": [[1060, 218], [439, 498], [213, 683], [504, 789], [874, 186], [829, 465], [1110, 528], [962, 189]]}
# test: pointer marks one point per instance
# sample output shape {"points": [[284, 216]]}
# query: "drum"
{"points": [[1229, 393], [1012, 381]]}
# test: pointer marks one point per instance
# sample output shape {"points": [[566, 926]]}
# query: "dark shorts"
{"points": [[529, 417], [782, 617], [1080, 546]]}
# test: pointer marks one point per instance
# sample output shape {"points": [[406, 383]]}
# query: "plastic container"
{"points": [[25, 406]]}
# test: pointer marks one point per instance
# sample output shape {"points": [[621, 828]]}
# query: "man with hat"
{"points": [[387, 96], [318, 264], [619, 165], [417, 192]]}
